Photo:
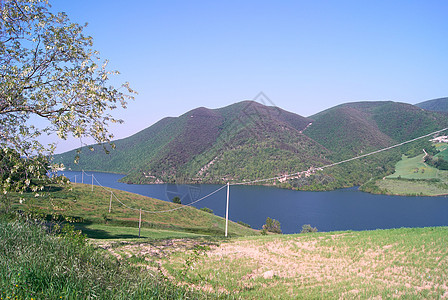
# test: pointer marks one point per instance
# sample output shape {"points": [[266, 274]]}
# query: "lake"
{"points": [[345, 209]]}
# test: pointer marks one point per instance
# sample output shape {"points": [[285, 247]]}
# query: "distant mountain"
{"points": [[245, 140], [248, 141], [440, 104], [353, 128]]}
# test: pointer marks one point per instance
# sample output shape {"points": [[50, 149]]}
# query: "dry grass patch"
{"points": [[382, 263]]}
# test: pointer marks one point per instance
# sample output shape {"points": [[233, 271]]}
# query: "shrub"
{"points": [[208, 210], [244, 224], [307, 228], [176, 200], [272, 225]]}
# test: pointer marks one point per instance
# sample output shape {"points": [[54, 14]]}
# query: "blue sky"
{"points": [[306, 56]]}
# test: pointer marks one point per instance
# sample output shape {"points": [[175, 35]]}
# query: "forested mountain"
{"points": [[353, 128], [247, 141], [440, 104]]}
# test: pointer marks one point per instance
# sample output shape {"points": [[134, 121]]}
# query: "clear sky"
{"points": [[306, 56]]}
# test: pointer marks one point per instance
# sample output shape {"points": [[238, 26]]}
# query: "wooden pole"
{"points": [[140, 222], [227, 208]]}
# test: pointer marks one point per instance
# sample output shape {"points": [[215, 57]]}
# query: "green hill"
{"points": [[242, 141], [79, 202], [353, 128], [440, 104], [248, 141]]}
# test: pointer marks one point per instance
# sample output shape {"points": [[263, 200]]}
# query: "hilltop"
{"points": [[248, 140], [440, 104]]}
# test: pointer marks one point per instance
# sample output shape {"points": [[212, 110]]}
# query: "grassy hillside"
{"points": [[395, 263], [248, 141], [243, 141], [35, 264], [93, 209], [412, 176], [440, 104]]}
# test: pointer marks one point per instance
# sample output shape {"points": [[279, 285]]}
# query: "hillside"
{"points": [[248, 141], [79, 202], [440, 104], [353, 128], [242, 141]]}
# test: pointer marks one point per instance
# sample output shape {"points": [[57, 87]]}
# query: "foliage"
{"points": [[38, 265], [440, 104], [207, 210], [247, 141], [19, 175], [176, 200], [50, 75], [272, 225], [244, 224], [306, 228], [437, 162]]}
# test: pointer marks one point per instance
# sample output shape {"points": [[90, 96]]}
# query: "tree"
{"points": [[48, 71], [272, 225], [176, 200], [307, 228]]}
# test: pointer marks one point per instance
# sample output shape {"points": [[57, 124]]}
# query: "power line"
{"points": [[154, 212], [266, 179], [341, 162]]}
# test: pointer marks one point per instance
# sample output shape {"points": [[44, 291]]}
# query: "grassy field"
{"points": [[399, 263], [414, 177], [189, 261], [412, 188], [103, 231], [443, 148], [92, 207], [416, 168]]}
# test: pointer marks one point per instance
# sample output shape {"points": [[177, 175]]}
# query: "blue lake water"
{"points": [[345, 209]]}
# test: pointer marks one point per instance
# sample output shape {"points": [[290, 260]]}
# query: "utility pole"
{"points": [[227, 208], [110, 203], [140, 222]]}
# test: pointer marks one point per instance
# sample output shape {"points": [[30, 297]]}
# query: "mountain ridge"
{"points": [[248, 140]]}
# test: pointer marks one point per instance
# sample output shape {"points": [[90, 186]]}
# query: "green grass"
{"points": [[103, 231], [93, 208], [397, 263], [415, 168], [443, 152], [414, 177], [38, 265], [412, 188]]}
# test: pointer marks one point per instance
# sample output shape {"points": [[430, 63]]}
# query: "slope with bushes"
{"points": [[248, 141], [79, 203]]}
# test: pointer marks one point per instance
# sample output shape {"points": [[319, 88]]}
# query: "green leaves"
{"points": [[49, 72]]}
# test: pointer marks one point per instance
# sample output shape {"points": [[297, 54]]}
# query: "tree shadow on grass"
{"points": [[102, 234]]}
